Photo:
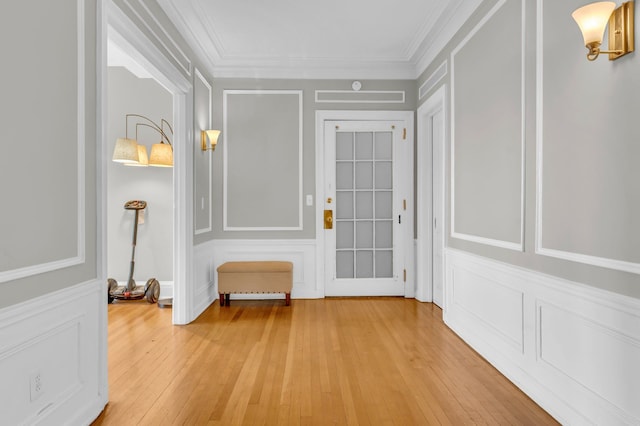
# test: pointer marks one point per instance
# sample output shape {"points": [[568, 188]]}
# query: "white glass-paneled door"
{"points": [[363, 210]]}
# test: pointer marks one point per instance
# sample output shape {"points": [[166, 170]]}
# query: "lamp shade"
{"points": [[161, 155], [142, 156], [126, 151], [212, 135], [592, 20]]}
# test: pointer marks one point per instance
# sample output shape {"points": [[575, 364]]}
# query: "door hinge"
{"points": [[404, 133], [404, 204], [404, 275]]}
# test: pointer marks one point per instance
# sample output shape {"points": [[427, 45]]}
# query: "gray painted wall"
{"points": [[590, 193], [128, 94], [42, 147], [40, 137], [310, 106]]}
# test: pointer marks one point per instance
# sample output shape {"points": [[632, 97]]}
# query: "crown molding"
{"points": [[412, 62]]}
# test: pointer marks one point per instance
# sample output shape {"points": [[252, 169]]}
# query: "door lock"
{"points": [[328, 219]]}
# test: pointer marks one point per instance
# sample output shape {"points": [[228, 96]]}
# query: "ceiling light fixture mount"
{"points": [[592, 20]]}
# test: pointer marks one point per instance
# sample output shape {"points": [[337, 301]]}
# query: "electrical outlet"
{"points": [[36, 385]]}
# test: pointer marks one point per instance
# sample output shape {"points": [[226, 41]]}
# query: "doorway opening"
{"points": [[132, 90], [121, 32]]}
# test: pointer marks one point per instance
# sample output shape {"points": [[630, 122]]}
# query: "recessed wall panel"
{"points": [[201, 159], [487, 130], [262, 160], [42, 161], [588, 151]]}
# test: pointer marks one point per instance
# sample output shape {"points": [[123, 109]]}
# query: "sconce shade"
{"points": [[126, 151], [142, 156], [592, 20], [212, 135], [161, 155]]}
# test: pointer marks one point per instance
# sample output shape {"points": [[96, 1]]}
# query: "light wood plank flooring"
{"points": [[351, 361]]}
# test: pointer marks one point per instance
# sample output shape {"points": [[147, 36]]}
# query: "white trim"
{"points": [[225, 167], [187, 67], [424, 224], [29, 331], [517, 246], [409, 64], [199, 75], [79, 258], [620, 265], [102, 62], [433, 79], [360, 92], [130, 38], [206, 53], [345, 115], [445, 29], [558, 316]]}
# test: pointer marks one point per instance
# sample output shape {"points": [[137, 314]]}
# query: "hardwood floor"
{"points": [[366, 361]]}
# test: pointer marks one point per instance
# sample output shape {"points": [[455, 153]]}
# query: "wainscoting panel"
{"points": [[302, 253], [566, 337], [494, 305], [580, 346], [203, 273], [56, 337]]}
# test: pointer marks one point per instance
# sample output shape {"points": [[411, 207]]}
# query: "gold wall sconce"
{"points": [[592, 20], [212, 136], [130, 153]]}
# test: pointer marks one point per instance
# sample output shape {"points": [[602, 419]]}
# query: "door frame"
{"points": [[407, 117], [119, 28], [424, 222]]}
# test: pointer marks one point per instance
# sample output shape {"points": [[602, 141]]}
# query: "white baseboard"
{"points": [[57, 336], [572, 348]]}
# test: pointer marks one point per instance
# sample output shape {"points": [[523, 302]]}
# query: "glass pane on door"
{"points": [[364, 210]]}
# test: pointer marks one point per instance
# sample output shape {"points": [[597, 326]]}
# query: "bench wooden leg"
{"points": [[221, 299], [228, 299], [287, 299]]}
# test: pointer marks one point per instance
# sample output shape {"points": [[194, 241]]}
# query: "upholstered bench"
{"points": [[255, 277]]}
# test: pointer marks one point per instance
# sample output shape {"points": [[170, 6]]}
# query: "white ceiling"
{"points": [[318, 39]]}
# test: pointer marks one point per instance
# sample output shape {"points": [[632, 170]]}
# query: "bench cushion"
{"points": [[258, 266], [255, 277]]}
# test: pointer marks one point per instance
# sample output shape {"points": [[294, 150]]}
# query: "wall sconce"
{"points": [[212, 135], [592, 20], [129, 152]]}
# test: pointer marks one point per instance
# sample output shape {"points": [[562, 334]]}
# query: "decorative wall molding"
{"points": [[518, 246], [200, 77], [62, 325], [572, 348], [225, 167], [432, 80], [448, 25], [79, 258], [302, 253], [604, 262], [184, 62], [360, 97]]}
